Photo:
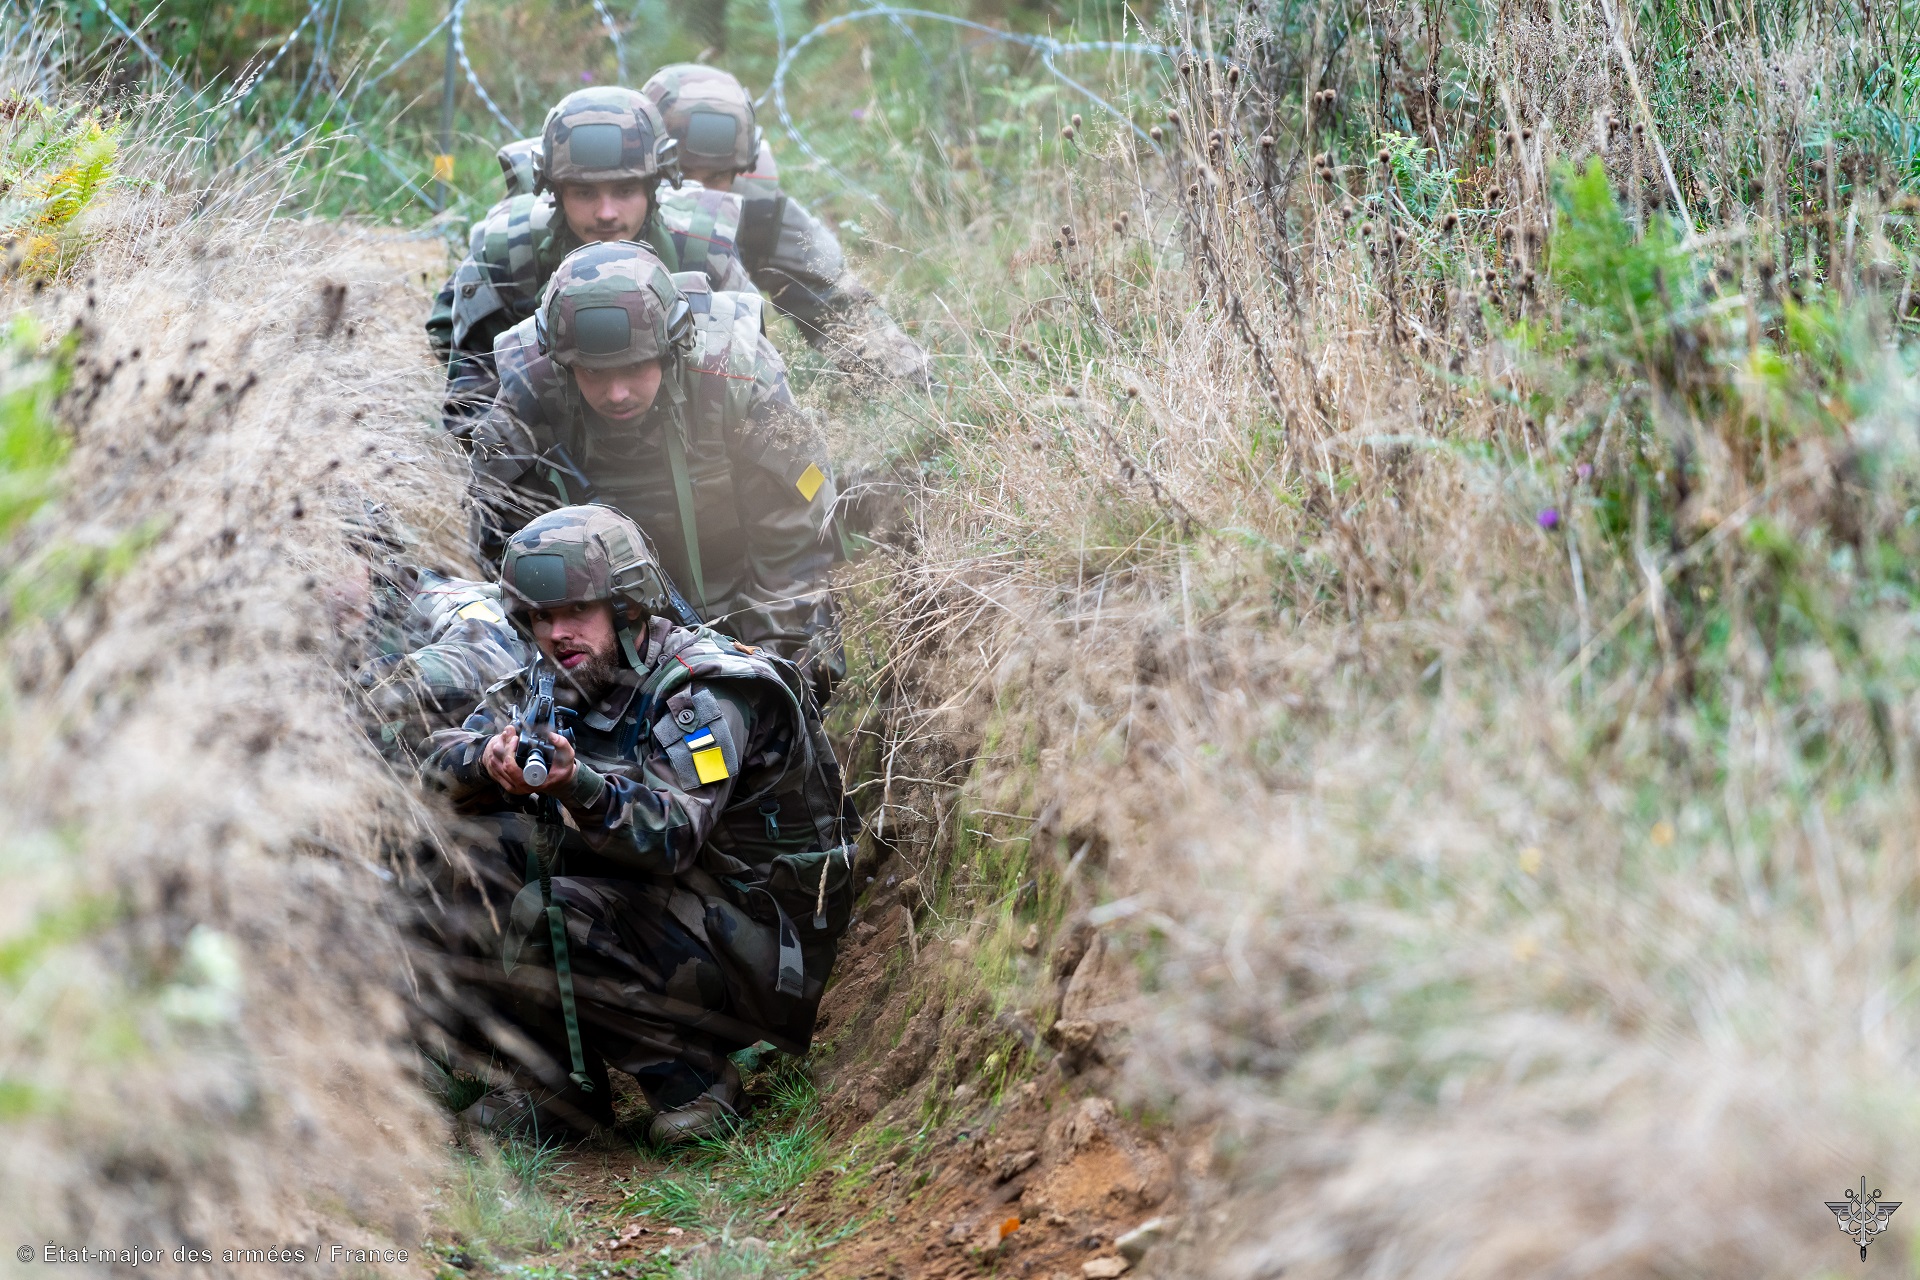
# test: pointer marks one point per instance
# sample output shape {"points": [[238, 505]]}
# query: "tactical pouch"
{"points": [[759, 233], [793, 880]]}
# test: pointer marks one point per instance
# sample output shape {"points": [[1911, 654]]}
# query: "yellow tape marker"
{"points": [[443, 168], [810, 481], [479, 611]]}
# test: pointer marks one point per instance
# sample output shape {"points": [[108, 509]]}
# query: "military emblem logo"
{"points": [[1863, 1216]]}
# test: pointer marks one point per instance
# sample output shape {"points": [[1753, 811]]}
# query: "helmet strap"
{"points": [[628, 648]]}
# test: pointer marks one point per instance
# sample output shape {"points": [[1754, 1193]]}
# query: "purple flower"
{"points": [[1549, 518], [586, 77], [859, 113], [1584, 470]]}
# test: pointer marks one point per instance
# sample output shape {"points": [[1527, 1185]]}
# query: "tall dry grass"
{"points": [[1466, 604], [203, 1034]]}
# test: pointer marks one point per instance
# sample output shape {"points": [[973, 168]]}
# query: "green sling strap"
{"points": [[541, 867], [683, 494]]}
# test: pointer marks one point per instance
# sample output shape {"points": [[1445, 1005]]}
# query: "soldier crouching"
{"points": [[672, 890]]}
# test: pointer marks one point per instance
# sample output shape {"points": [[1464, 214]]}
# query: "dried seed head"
{"points": [[1449, 223], [1126, 215], [1186, 68], [1132, 391], [1640, 128], [1156, 133], [1613, 125], [1118, 226], [1066, 131], [1067, 232], [1327, 176], [1266, 142], [1076, 119], [1506, 140], [1347, 211], [1216, 137], [1173, 118], [1399, 236], [1366, 229], [1526, 134], [1385, 156], [1193, 191], [1233, 75]]}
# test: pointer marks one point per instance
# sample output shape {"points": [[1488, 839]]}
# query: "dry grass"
{"points": [[1500, 884], [204, 1035]]}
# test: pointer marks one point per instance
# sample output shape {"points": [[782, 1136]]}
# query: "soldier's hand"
{"points": [[502, 766]]}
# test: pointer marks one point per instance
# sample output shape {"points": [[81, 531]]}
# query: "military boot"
{"points": [[713, 1112]]}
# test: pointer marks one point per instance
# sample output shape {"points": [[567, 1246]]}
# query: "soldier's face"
{"points": [[605, 211], [620, 395], [572, 636]]}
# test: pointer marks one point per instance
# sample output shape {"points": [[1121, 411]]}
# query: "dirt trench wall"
{"points": [[201, 997]]}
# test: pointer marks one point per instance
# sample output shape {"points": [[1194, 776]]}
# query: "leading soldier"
{"points": [[671, 891], [792, 256], [596, 178], [652, 393]]}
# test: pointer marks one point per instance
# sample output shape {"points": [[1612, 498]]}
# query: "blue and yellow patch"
{"points": [[709, 762]]}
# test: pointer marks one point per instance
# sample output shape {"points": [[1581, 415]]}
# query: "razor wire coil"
{"points": [[900, 18]]}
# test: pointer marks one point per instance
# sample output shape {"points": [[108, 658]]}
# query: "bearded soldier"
{"points": [[671, 890], [663, 398], [792, 256], [596, 177]]}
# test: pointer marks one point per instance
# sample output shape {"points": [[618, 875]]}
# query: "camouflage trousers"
{"points": [[669, 975]]}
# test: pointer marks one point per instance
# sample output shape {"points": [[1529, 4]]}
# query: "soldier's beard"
{"points": [[589, 682]]}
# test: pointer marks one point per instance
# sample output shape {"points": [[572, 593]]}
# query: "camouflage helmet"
{"points": [[520, 166], [611, 304], [708, 113], [579, 554], [604, 134]]}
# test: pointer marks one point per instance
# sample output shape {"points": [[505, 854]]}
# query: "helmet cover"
{"points": [[609, 305], [581, 554], [708, 113], [604, 134]]}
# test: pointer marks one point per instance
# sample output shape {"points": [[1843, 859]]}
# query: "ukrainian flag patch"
{"points": [[709, 762], [810, 481], [479, 611]]}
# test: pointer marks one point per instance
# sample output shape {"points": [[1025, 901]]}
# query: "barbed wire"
{"points": [[1048, 48], [466, 67], [319, 73], [613, 34]]}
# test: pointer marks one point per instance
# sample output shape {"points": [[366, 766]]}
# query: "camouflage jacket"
{"points": [[725, 475], [797, 262], [452, 644], [709, 765], [513, 251]]}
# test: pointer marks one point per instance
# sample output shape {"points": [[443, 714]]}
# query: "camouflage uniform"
{"points": [[515, 248], [701, 873], [726, 476], [451, 645], [793, 257]]}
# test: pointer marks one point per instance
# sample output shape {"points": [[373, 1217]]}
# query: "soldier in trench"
{"points": [[672, 890]]}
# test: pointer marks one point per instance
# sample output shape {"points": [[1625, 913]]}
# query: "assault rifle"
{"points": [[538, 723]]}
